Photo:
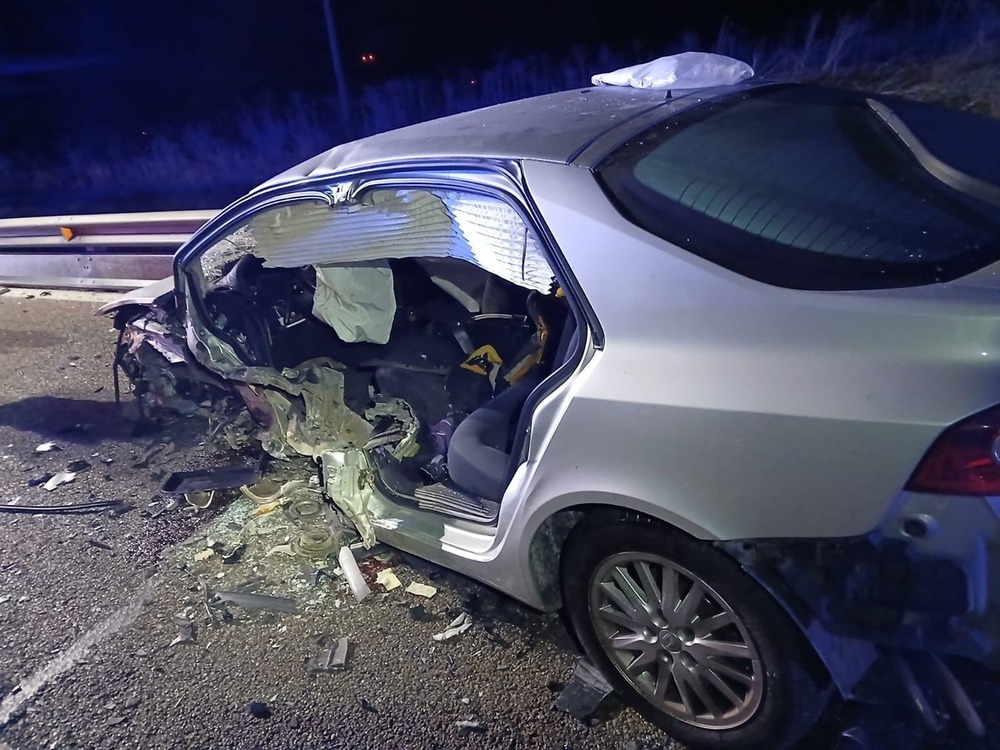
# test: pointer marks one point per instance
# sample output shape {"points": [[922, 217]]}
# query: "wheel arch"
{"points": [[845, 660]]}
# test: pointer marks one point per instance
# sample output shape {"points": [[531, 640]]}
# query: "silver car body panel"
{"points": [[150, 294], [575, 126], [728, 408], [751, 410]]}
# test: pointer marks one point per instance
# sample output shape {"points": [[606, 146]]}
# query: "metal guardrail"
{"points": [[97, 251]]}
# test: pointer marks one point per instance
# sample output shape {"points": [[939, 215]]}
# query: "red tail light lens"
{"points": [[964, 460]]}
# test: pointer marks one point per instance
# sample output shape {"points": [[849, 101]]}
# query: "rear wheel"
{"points": [[688, 639]]}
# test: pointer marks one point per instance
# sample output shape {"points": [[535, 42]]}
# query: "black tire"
{"points": [[795, 687]]}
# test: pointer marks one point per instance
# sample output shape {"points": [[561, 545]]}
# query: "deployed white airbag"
{"points": [[688, 70], [356, 300]]}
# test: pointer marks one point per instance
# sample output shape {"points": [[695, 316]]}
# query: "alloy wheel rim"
{"points": [[676, 641]]}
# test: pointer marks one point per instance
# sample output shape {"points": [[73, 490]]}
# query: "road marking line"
{"points": [[73, 655]]}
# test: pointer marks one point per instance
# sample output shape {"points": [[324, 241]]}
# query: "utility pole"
{"points": [[338, 65]]}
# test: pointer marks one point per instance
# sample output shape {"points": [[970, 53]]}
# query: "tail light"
{"points": [[964, 460]]}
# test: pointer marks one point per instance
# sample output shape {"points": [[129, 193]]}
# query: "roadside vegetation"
{"points": [[947, 52]]}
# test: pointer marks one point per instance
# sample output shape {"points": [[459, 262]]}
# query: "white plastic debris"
{"points": [[46, 447], [61, 478], [421, 589], [688, 70], [458, 626], [353, 574], [388, 579]]}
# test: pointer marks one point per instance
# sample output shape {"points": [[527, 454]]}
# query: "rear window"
{"points": [[809, 188]]}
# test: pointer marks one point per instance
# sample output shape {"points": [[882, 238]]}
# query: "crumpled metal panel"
{"points": [[484, 231]]}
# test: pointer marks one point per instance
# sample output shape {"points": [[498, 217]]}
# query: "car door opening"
{"points": [[411, 326]]}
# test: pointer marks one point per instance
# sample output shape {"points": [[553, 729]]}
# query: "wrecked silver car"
{"points": [[697, 366]]}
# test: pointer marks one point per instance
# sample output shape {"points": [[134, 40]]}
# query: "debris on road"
{"points": [[421, 589], [419, 613], [470, 726], [94, 507], [115, 721], [62, 477], [259, 710], [100, 544], [387, 579], [46, 447], [367, 706], [132, 702], [233, 555], [204, 554], [256, 601], [458, 626], [199, 500], [585, 691], [262, 492], [77, 467], [359, 587], [331, 660], [185, 630], [204, 480]]}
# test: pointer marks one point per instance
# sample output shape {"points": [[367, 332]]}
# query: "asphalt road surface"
{"points": [[90, 604]]}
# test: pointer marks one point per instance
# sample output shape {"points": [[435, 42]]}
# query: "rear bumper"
{"points": [[928, 579]]}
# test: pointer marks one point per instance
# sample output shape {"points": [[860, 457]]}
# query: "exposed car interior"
{"points": [[458, 348]]}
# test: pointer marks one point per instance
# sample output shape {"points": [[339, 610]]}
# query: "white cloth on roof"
{"points": [[688, 70]]}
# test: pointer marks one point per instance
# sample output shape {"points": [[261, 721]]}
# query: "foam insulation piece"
{"points": [[688, 70], [356, 300], [484, 231], [347, 478]]}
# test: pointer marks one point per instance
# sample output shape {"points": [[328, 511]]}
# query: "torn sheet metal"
{"points": [[157, 335], [256, 601], [305, 409], [206, 480], [357, 300], [348, 481], [331, 660], [46, 447], [403, 435], [482, 230]]}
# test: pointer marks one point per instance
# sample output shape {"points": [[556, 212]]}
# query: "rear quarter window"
{"points": [[808, 188]]}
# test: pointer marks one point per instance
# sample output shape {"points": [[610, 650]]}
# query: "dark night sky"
{"points": [[68, 64]]}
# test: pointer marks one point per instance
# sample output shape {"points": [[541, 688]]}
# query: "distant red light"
{"points": [[473, 82], [368, 58]]}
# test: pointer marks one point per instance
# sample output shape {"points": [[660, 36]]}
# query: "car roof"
{"points": [[556, 127]]}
